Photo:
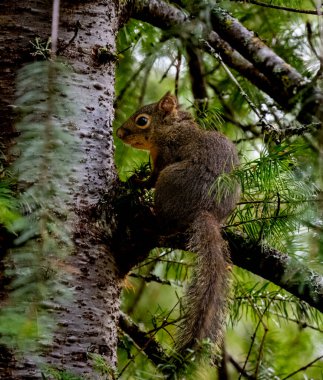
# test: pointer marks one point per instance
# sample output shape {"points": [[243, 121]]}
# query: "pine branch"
{"points": [[282, 76], [279, 268], [240, 49], [158, 13], [271, 264], [256, 51], [237, 62], [167, 17]]}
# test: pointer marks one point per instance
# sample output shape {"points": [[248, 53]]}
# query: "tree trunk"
{"points": [[88, 323]]}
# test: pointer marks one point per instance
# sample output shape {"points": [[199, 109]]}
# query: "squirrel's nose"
{"points": [[122, 133]]}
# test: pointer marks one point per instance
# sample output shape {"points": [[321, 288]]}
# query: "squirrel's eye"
{"points": [[143, 121]]}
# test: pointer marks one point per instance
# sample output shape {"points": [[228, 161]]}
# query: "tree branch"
{"points": [[257, 52], [283, 77], [138, 233], [270, 264], [279, 268], [239, 369], [235, 60], [167, 17], [158, 13], [279, 7], [148, 344], [241, 50], [197, 78]]}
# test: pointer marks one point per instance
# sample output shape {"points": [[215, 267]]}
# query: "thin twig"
{"points": [[303, 325], [253, 338], [153, 278], [278, 7], [260, 353], [239, 369], [67, 44], [178, 68], [231, 76], [262, 120], [256, 220], [167, 70], [303, 368], [144, 85], [133, 77], [144, 341], [282, 202]]}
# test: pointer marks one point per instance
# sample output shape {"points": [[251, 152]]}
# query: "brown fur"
{"points": [[187, 161]]}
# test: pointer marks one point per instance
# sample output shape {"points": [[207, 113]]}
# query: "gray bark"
{"points": [[88, 322]]}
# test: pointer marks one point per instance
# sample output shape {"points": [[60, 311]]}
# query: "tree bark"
{"points": [[89, 322], [14, 52]]}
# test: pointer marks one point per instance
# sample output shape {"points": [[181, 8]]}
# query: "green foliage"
{"points": [[8, 206], [272, 311], [284, 31], [101, 367], [8, 203], [45, 150], [252, 297], [276, 198], [210, 118]]}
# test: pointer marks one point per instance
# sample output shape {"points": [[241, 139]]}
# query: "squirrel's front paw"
{"points": [[135, 182]]}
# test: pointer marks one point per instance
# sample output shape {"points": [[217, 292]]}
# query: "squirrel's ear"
{"points": [[168, 103]]}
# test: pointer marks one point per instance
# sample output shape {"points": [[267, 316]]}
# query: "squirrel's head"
{"points": [[138, 130]]}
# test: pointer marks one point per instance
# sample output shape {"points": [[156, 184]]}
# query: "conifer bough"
{"points": [[241, 50]]}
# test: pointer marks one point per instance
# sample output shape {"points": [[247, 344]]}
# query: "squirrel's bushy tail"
{"points": [[206, 299]]}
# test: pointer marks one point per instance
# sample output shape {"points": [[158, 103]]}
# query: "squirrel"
{"points": [[186, 162]]}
